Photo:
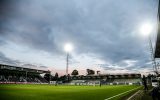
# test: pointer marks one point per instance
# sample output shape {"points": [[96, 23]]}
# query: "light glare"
{"points": [[68, 47], [146, 29]]}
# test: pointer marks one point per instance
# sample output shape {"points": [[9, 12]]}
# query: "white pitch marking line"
{"points": [[133, 95], [121, 94]]}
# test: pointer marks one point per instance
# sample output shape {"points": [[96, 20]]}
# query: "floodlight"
{"points": [[68, 47], [146, 29]]}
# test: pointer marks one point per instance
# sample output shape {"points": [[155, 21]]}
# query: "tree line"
{"points": [[66, 78]]}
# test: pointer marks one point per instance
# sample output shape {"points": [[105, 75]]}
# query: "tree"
{"points": [[56, 76], [63, 78], [98, 72], [68, 78], [90, 72], [75, 72], [47, 76]]}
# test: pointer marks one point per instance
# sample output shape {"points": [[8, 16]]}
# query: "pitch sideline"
{"points": [[121, 93]]}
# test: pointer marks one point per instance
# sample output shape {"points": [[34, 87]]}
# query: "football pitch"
{"points": [[51, 92]]}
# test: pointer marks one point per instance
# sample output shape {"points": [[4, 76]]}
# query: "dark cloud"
{"points": [[9, 61], [105, 28], [7, 11], [6, 60], [7, 8]]}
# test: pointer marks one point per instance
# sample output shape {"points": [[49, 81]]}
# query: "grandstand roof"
{"points": [[124, 74], [10, 67]]}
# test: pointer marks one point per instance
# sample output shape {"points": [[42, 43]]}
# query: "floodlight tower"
{"points": [[68, 48], [146, 30]]}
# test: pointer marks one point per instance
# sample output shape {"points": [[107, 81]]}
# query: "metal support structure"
{"points": [[152, 56], [26, 76], [49, 77], [67, 63]]}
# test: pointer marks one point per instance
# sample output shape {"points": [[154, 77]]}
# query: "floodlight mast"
{"points": [[67, 63], [152, 56], [68, 48], [26, 76], [146, 30]]}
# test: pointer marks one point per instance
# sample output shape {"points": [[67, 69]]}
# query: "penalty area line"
{"points": [[121, 93]]}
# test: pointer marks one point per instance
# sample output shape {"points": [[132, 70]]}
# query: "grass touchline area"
{"points": [[122, 93], [51, 92]]}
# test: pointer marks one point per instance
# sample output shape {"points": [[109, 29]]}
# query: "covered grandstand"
{"points": [[107, 79], [20, 75], [14, 74]]}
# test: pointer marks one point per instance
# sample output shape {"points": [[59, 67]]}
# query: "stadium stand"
{"points": [[108, 79], [13, 74]]}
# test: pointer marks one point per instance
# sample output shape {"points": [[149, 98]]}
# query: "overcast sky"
{"points": [[105, 34]]}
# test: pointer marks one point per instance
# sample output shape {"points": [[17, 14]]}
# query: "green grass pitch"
{"points": [[51, 92]]}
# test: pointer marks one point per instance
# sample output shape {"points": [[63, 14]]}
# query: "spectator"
{"points": [[144, 83]]}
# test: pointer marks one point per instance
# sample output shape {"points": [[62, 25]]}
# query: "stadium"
{"points": [[74, 50], [22, 79]]}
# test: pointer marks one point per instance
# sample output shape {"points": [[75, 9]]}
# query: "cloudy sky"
{"points": [[105, 34]]}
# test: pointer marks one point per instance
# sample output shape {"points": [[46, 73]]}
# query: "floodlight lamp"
{"points": [[146, 29], [68, 47]]}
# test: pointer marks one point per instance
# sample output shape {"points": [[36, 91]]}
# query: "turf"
{"points": [[50, 92]]}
